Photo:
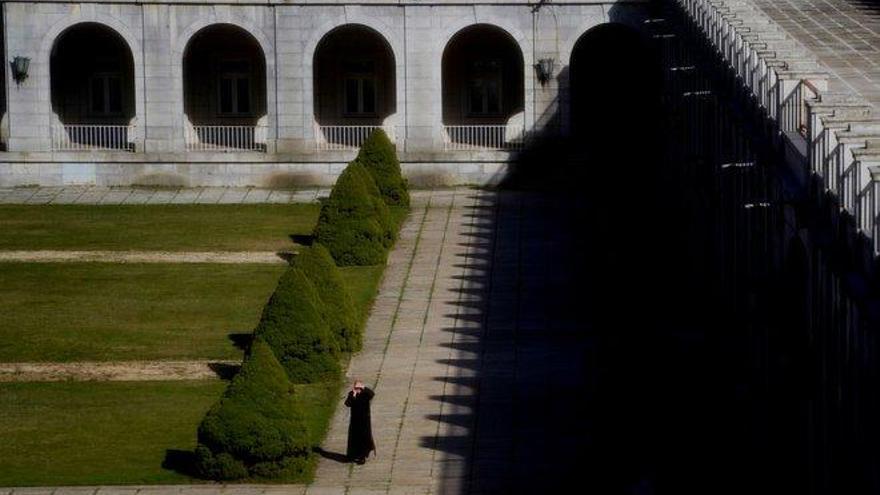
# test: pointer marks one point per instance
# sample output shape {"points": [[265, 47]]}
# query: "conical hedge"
{"points": [[379, 157], [338, 309], [294, 328], [256, 426], [383, 214], [349, 224]]}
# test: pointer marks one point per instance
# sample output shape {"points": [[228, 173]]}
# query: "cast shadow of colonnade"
{"points": [[586, 354]]}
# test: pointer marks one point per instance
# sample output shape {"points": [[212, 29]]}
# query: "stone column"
{"points": [[163, 109], [423, 82], [29, 105]]}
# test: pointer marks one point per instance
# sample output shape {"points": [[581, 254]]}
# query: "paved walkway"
{"points": [[843, 34], [221, 257], [473, 385], [468, 349], [93, 195]]}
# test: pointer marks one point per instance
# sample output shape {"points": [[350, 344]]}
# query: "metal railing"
{"points": [[482, 137], [783, 92], [226, 138], [868, 213], [92, 137], [794, 113], [347, 137], [849, 189]]}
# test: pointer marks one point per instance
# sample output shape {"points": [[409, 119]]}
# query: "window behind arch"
{"points": [[485, 83], [360, 88], [234, 88]]}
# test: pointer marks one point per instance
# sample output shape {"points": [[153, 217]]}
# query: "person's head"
{"points": [[358, 385]]}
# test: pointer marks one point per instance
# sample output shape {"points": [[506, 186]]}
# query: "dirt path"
{"points": [[116, 371], [224, 257]]}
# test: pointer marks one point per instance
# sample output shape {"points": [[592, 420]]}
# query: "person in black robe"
{"points": [[360, 431]]}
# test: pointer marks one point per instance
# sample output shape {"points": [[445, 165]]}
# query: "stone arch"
{"points": [[460, 25], [371, 23], [620, 65], [483, 83], [224, 84], [567, 46], [186, 35], [354, 73], [523, 43], [109, 22], [266, 48]]}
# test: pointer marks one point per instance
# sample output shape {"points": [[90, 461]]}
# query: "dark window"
{"points": [[360, 87], [226, 103], [105, 94], [235, 88], [368, 96], [243, 95], [352, 95], [484, 87]]}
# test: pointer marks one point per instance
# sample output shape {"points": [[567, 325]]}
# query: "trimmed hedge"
{"points": [[383, 213], [256, 427], [294, 328], [337, 307], [379, 157], [350, 225]]}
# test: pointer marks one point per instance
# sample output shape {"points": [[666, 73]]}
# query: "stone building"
{"points": [[274, 93]]}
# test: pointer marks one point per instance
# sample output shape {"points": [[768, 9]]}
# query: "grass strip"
{"points": [[93, 433], [123, 312], [258, 227]]}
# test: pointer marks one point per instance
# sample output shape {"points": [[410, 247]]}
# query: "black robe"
{"points": [[360, 431]]}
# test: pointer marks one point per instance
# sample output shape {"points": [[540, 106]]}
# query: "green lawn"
{"points": [[80, 433], [74, 433], [103, 311], [155, 228]]}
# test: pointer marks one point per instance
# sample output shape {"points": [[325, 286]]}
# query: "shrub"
{"points": [[256, 421], [293, 327], [219, 467], [349, 225], [383, 214], [337, 307], [379, 157], [288, 467]]}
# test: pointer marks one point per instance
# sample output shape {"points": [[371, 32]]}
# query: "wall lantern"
{"points": [[545, 69], [20, 68]]}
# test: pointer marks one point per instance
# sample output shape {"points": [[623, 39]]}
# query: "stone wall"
{"points": [[288, 35]]}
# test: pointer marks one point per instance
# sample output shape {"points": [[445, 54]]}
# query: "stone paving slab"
{"points": [[844, 35]]}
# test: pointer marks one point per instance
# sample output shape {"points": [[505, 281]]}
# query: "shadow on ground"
{"points": [[590, 347]]}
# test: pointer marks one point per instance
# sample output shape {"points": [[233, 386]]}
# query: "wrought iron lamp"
{"points": [[545, 69], [20, 68]]}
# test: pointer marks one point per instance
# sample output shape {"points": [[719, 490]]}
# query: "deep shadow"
{"points": [[181, 461], [302, 239], [241, 340], [287, 256], [631, 318], [333, 456], [225, 371]]}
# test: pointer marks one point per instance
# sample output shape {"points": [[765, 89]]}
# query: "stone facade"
{"points": [[158, 34]]}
